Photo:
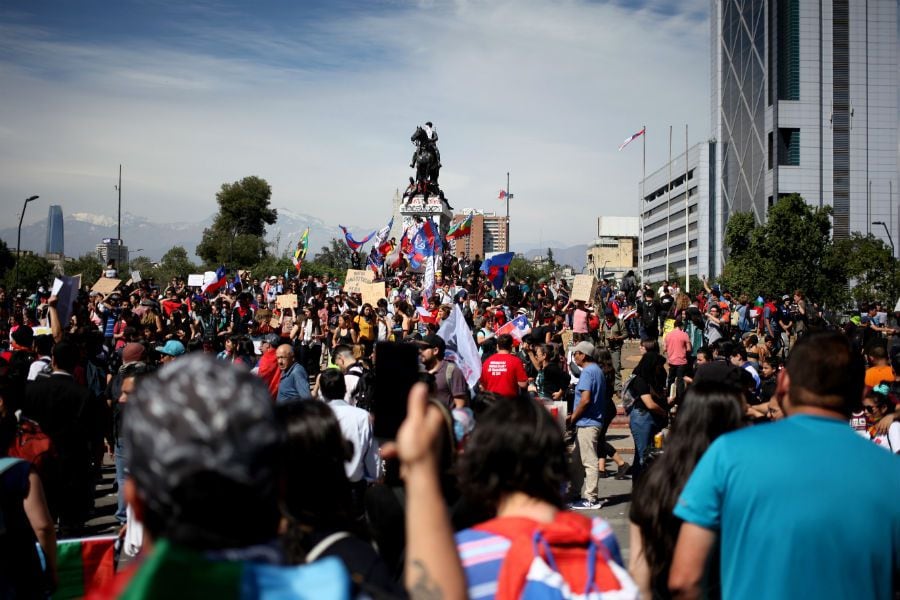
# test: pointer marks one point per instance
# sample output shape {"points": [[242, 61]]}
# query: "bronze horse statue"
{"points": [[426, 162]]}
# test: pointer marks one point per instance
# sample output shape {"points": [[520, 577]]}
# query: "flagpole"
{"points": [[641, 205], [507, 211], [668, 205], [687, 214]]}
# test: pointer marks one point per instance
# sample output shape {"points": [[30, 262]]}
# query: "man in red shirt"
{"points": [[678, 346], [503, 373]]}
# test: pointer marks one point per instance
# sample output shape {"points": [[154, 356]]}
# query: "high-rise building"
{"points": [[488, 235], [663, 216], [615, 251], [112, 249], [55, 232], [804, 100]]}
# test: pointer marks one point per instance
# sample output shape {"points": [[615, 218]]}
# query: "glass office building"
{"points": [[55, 233]]}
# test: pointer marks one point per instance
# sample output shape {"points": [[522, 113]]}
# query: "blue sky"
{"points": [[320, 99]]}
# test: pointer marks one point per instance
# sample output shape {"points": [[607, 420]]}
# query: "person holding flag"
{"points": [[300, 252], [496, 268]]}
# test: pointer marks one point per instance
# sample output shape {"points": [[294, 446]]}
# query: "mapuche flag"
{"points": [[460, 228], [300, 252], [83, 565]]}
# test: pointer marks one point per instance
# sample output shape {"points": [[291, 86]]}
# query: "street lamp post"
{"points": [[19, 237], [893, 257]]}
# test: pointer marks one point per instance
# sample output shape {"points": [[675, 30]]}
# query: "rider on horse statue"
{"points": [[426, 158]]}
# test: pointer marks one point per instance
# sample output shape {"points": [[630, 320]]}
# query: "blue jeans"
{"points": [[121, 458], [644, 426]]}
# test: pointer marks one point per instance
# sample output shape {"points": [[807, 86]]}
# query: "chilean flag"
{"points": [[422, 246], [518, 328], [632, 138], [213, 286], [496, 268]]}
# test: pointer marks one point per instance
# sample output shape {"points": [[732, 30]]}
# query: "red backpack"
{"points": [[35, 446]]}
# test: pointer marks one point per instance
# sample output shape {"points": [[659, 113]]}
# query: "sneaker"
{"points": [[624, 471], [583, 504]]}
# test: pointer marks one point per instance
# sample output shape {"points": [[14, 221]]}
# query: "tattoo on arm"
{"points": [[424, 587]]}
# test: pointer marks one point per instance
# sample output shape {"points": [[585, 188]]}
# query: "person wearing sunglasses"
{"points": [[876, 405]]}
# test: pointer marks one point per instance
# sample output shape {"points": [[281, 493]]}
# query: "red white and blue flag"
{"points": [[213, 285], [496, 268], [422, 245], [352, 243], [504, 195], [518, 328], [632, 138]]}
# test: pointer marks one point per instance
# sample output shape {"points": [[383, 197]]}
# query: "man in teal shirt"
{"points": [[803, 508]]}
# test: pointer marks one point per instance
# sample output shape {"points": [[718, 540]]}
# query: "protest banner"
{"points": [[355, 278], [195, 280], [286, 301]]}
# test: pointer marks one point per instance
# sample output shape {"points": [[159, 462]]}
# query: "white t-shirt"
{"points": [[891, 441]]}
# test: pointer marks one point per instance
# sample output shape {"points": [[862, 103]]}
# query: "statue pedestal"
{"points": [[434, 207]]}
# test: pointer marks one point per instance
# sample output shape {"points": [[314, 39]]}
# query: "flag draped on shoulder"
{"points": [[460, 346], [496, 268], [213, 286], [352, 243], [633, 137], [460, 228]]}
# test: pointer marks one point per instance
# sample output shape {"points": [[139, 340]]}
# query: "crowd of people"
{"points": [[756, 423]]}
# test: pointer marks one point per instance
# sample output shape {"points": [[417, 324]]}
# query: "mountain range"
{"points": [[83, 231]]}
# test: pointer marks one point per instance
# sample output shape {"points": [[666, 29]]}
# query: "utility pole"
{"points": [[507, 211], [19, 237]]}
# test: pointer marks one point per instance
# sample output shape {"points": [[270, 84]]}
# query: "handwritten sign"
{"points": [[372, 292], [286, 301], [106, 285], [568, 338], [583, 288], [195, 280], [356, 278]]}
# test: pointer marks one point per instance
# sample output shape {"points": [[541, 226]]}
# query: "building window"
{"points": [[789, 147], [771, 150], [789, 49]]}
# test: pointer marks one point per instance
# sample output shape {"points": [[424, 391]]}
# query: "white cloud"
{"points": [[544, 90]]}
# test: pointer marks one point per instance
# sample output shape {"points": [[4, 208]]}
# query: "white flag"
{"points": [[460, 346]]}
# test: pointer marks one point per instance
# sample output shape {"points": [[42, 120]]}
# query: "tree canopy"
{"points": [[88, 266], [236, 237]]}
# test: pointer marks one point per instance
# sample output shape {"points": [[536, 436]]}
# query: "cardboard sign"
{"points": [[195, 280], [135, 276], [106, 285], [355, 278], [568, 338], [372, 293], [286, 301], [583, 288]]}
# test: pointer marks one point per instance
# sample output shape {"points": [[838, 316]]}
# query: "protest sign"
{"points": [[355, 278], [106, 285], [195, 280], [583, 288], [372, 292], [286, 301]]}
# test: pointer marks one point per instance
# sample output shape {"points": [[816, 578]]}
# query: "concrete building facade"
{"points": [[615, 251]]}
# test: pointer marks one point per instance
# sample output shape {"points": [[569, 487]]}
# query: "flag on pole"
{"points": [[460, 346], [496, 268], [381, 238], [422, 246], [632, 138], [518, 328], [504, 195], [83, 565], [300, 252], [213, 285], [460, 228], [352, 243]]}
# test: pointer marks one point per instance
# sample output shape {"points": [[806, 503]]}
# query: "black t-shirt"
{"points": [[637, 388], [554, 379], [649, 311], [666, 302]]}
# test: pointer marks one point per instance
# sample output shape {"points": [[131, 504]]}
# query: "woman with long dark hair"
{"points": [[604, 359], [708, 411], [650, 412]]}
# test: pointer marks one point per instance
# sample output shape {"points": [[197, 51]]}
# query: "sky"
{"points": [[320, 98]]}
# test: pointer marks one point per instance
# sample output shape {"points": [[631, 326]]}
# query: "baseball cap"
{"points": [[433, 340], [172, 348], [522, 311], [586, 348], [785, 297]]}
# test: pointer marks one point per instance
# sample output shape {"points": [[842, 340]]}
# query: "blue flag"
{"points": [[496, 268]]}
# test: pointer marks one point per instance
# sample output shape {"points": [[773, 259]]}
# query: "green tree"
{"points": [[337, 257], [33, 271], [143, 265], [88, 266], [551, 264], [792, 249], [174, 263], [870, 266], [237, 234], [7, 259]]}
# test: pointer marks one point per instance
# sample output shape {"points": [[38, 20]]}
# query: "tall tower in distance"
{"points": [[55, 233]]}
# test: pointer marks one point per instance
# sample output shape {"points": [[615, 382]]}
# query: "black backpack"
{"points": [[648, 313], [364, 392]]}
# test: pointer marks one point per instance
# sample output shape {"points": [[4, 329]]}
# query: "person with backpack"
{"points": [[357, 378], [450, 385], [648, 311], [25, 521], [515, 466]]}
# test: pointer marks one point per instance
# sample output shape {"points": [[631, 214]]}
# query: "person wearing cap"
{"points": [[786, 323], [170, 351], [267, 368], [587, 417], [294, 381], [450, 383]]}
